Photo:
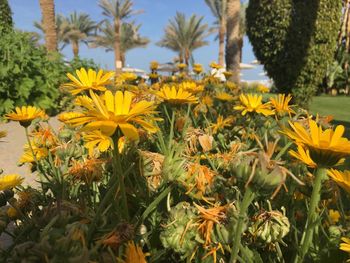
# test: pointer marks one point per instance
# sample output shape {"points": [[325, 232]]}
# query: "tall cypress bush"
{"points": [[6, 23], [295, 40]]}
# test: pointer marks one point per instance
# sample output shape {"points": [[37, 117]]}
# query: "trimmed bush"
{"points": [[295, 40]]}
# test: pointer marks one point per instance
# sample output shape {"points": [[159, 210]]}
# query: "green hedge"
{"points": [[28, 77], [295, 40]]}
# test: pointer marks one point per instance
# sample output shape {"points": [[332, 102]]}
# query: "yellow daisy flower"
{"points": [[222, 123], [326, 147], [154, 65], [280, 104], [215, 65], [10, 181], [304, 156], [176, 96], [66, 116], [253, 103], [126, 77], [88, 80], [224, 96], [181, 66], [109, 112], [27, 157], [262, 88], [191, 86], [341, 178], [197, 68], [25, 115], [96, 138], [346, 245], [334, 216]]}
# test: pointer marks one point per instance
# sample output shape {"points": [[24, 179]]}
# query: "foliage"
{"points": [[295, 41], [6, 23], [184, 35], [27, 76]]}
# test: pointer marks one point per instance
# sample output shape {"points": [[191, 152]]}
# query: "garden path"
{"points": [[11, 149]]}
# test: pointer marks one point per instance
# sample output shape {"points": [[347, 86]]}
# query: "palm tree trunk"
{"points": [[222, 34], [117, 51], [232, 39], [75, 46], [49, 25]]}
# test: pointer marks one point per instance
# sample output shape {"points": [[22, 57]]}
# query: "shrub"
{"points": [[6, 23], [295, 41], [28, 77]]}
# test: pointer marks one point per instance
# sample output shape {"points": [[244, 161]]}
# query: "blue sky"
{"points": [[154, 18]]}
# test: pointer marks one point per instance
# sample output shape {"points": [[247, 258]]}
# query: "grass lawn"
{"points": [[338, 107]]}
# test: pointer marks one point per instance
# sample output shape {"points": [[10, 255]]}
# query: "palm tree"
{"points": [[184, 36], [48, 17], [218, 8], [118, 11], [76, 28], [129, 38], [233, 39]]}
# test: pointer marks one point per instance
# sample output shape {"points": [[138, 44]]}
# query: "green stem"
{"points": [[118, 173], [247, 199], [312, 216]]}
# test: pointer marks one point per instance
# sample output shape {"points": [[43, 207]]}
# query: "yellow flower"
{"points": [[181, 66], [191, 86], [326, 147], [262, 88], [341, 178], [66, 116], [153, 65], [126, 77], [197, 68], [134, 254], [96, 138], [88, 80], [207, 101], [304, 156], [215, 65], [253, 103], [25, 115], [280, 104], [109, 112], [10, 181], [176, 96], [345, 246], [224, 96], [28, 157], [222, 123], [334, 216], [231, 85]]}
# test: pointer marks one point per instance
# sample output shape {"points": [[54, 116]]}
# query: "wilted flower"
{"points": [[134, 254], [25, 115], [88, 80], [88, 170], [334, 216], [253, 103]]}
